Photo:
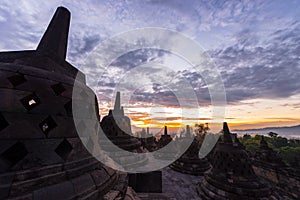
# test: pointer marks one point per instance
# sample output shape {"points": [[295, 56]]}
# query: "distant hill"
{"points": [[286, 131]]}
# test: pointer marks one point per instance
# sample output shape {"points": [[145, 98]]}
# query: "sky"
{"points": [[255, 46]]}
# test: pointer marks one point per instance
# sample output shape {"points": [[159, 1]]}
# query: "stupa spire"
{"points": [[188, 131], [166, 130], [117, 105], [55, 39], [226, 133]]}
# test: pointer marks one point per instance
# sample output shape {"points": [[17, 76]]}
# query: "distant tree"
{"points": [[278, 142], [257, 137], [272, 134], [291, 155], [252, 147], [288, 150], [294, 142], [246, 137], [200, 130], [252, 144]]}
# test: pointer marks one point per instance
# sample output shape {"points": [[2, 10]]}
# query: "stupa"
{"points": [[164, 140], [148, 141], [41, 155], [117, 128], [232, 176], [266, 157], [189, 162], [267, 164]]}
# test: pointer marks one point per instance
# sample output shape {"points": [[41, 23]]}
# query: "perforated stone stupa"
{"points": [[117, 128], [266, 157], [267, 164], [189, 162], [41, 155], [232, 176], [148, 141], [165, 140]]}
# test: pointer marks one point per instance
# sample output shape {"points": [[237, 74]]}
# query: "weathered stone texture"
{"points": [[41, 155]]}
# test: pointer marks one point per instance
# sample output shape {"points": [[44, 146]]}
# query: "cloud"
{"points": [[251, 68], [294, 105], [25, 21], [267, 70], [80, 46], [255, 46]]}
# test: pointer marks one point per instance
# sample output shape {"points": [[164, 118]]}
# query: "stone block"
{"points": [[10, 101], [146, 182], [83, 184], [100, 177], [22, 125], [41, 153], [64, 190], [5, 184]]}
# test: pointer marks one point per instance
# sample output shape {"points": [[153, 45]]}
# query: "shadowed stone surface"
{"points": [[150, 182], [117, 127], [41, 155], [267, 157], [232, 176], [267, 164], [189, 162], [176, 186], [148, 141], [164, 140]]}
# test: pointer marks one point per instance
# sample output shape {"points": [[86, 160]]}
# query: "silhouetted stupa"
{"points": [[236, 142], [267, 157], [41, 155], [148, 141], [232, 176], [267, 164], [189, 162], [164, 140], [117, 128], [116, 123]]}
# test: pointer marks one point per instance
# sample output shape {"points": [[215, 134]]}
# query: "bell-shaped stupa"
{"points": [[117, 127], [189, 162], [266, 157], [232, 176], [41, 155]]}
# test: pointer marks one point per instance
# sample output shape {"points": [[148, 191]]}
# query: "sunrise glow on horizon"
{"points": [[253, 114]]}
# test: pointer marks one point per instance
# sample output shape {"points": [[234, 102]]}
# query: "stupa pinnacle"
{"points": [[55, 39]]}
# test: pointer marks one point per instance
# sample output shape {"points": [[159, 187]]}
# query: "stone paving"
{"points": [[176, 186]]}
